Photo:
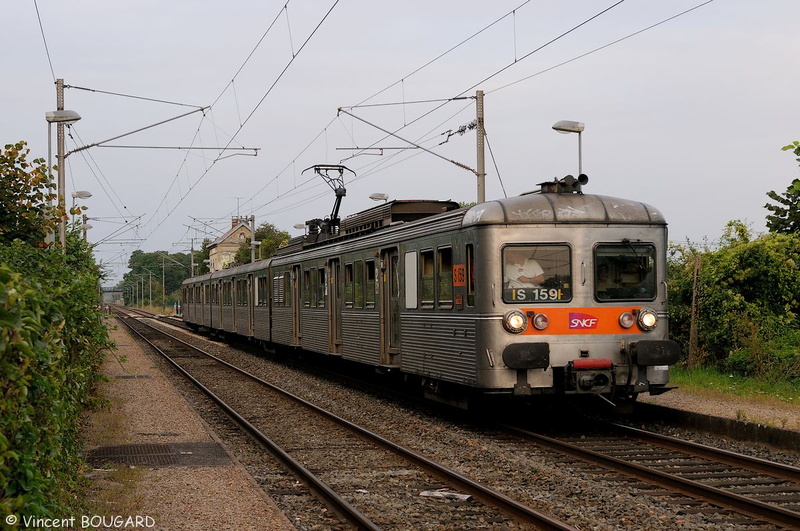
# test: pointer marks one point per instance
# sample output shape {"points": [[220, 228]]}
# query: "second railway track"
{"points": [[737, 489], [376, 482]]}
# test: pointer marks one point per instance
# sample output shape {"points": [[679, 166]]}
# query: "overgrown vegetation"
{"points": [[735, 307], [271, 239], [51, 342]]}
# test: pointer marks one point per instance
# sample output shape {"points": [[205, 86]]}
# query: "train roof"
{"points": [[553, 203], [367, 221], [537, 207]]}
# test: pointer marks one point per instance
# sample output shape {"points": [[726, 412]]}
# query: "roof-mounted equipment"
{"points": [[334, 176], [567, 185]]}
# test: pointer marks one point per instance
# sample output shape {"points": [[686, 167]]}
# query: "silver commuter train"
{"points": [[426, 288]]}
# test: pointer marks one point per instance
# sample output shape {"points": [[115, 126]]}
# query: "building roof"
{"points": [[230, 233]]}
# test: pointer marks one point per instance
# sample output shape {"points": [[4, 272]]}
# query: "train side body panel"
{"points": [[433, 298]]}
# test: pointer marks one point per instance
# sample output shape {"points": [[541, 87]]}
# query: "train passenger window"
{"points": [[371, 286], [470, 275], [262, 293], [411, 279], [241, 292], [348, 286], [227, 296], [278, 292], [321, 287], [445, 277], [537, 273], [314, 287], [358, 284], [307, 288], [625, 271], [426, 278]]}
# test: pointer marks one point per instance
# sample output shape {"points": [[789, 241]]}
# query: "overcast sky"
{"points": [[688, 116]]}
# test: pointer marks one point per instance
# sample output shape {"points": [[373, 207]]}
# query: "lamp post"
{"points": [[85, 226], [61, 118], [565, 127]]}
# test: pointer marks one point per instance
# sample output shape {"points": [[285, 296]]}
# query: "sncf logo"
{"points": [[582, 321]]}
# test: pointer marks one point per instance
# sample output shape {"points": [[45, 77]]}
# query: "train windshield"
{"points": [[536, 273], [625, 271]]}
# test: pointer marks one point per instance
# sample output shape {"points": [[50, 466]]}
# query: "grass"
{"points": [[708, 382], [113, 489]]}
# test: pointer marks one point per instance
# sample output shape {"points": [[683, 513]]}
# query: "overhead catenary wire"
{"points": [[252, 112], [295, 158], [252, 52], [452, 48], [516, 60], [378, 166], [599, 48], [543, 46], [92, 164], [44, 39], [364, 171], [444, 101], [461, 94], [131, 96]]}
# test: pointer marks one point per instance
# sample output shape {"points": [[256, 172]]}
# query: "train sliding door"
{"points": [[390, 307], [334, 306], [251, 304]]}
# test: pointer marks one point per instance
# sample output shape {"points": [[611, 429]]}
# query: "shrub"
{"points": [[747, 300], [51, 340]]}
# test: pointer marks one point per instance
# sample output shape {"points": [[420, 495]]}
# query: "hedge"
{"points": [[51, 343]]}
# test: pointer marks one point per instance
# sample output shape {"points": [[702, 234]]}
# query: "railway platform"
{"points": [[155, 458]]}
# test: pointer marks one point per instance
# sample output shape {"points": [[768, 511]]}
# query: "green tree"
{"points": [[747, 295], [271, 240], [200, 259], [785, 217], [152, 267], [27, 191]]}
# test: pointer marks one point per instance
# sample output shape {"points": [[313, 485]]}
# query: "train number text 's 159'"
{"points": [[536, 294]]}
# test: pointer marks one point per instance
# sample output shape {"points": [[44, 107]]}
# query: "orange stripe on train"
{"points": [[581, 321]]}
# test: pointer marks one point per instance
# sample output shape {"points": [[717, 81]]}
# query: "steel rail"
{"points": [[476, 489], [355, 516], [741, 504], [780, 470]]}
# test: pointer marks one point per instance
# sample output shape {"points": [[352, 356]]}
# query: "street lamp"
{"points": [[79, 194], [565, 127], [60, 118], [378, 196]]}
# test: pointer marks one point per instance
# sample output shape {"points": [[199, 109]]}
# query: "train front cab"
{"points": [[596, 323]]}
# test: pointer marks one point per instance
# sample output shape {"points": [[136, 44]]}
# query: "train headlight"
{"points": [[540, 321], [515, 321], [626, 320], [647, 319]]}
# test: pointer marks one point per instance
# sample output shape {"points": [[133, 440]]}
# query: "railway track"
{"points": [[728, 490], [372, 482], [738, 490]]}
